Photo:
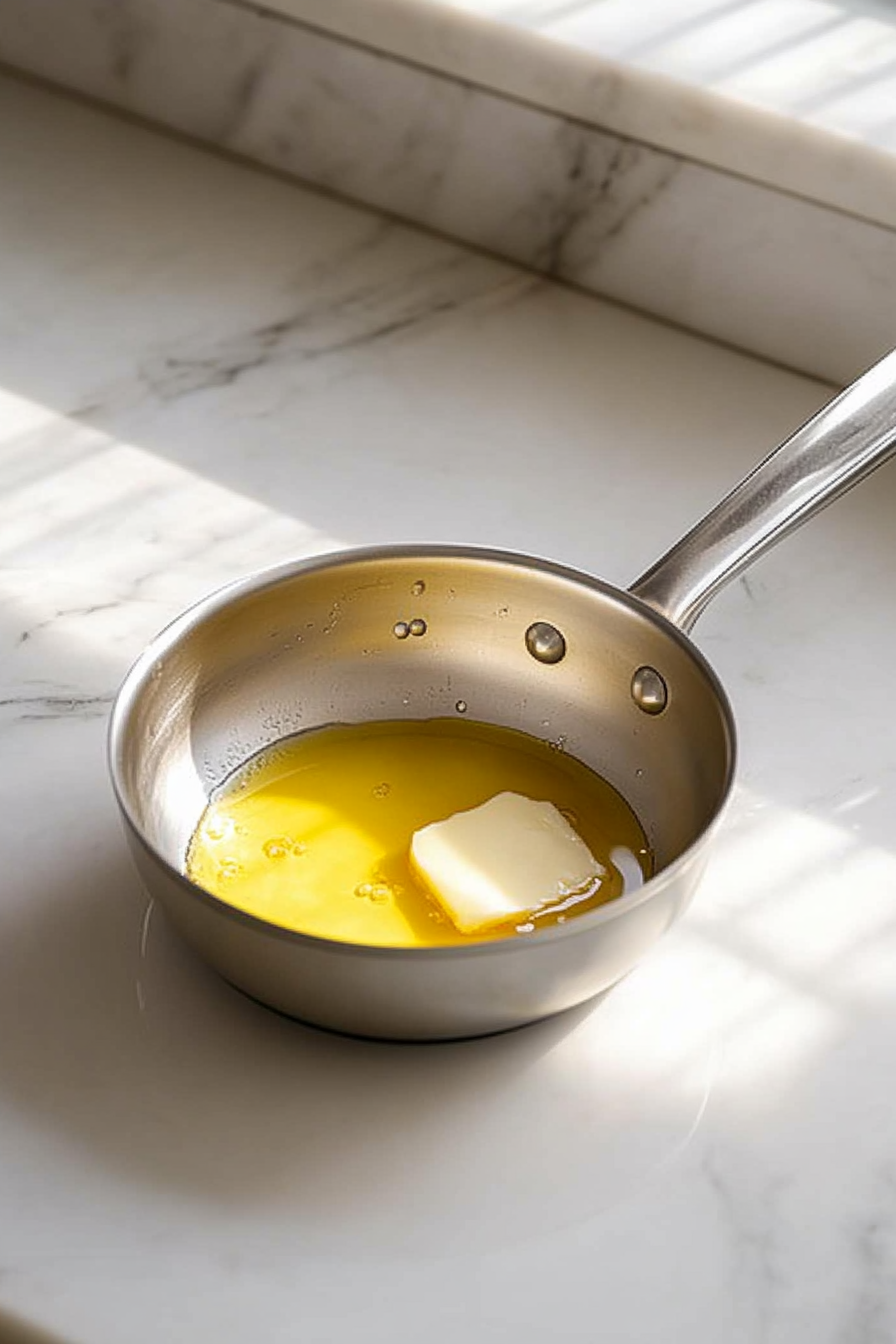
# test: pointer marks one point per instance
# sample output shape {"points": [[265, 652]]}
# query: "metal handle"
{"points": [[831, 453]]}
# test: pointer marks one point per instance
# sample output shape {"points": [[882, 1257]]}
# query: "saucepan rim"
{"points": [[217, 601]]}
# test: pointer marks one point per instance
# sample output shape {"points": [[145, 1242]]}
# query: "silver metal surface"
{"points": [[315, 642], [545, 642], [832, 452], [267, 658], [649, 691]]}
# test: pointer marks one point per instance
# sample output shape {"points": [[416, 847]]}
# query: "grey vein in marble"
{"points": [[871, 1246], [24, 708], [322, 329], [757, 1243]]}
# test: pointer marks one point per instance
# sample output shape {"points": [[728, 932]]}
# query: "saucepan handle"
{"points": [[832, 452]]}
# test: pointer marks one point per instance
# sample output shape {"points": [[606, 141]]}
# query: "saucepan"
{"points": [[431, 631]]}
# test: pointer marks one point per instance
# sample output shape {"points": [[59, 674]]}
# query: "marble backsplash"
{"points": [[769, 271]]}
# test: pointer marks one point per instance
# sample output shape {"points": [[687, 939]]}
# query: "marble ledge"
{"points": [[765, 270], [513, 50]]}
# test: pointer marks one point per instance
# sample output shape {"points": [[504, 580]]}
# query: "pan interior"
{"points": [[434, 633]]}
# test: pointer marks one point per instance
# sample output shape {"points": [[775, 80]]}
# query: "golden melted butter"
{"points": [[313, 833]]}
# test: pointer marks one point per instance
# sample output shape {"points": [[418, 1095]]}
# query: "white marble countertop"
{"points": [[204, 369], [506, 131]]}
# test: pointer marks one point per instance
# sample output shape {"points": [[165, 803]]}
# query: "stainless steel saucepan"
{"points": [[396, 632]]}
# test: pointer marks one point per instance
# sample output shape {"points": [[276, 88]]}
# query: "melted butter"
{"points": [[313, 834]]}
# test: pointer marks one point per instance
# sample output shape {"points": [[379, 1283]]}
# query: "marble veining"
{"points": [[731, 257], [752, 1220], [204, 370], [804, 116], [324, 330]]}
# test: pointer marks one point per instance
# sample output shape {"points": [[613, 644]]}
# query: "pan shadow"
{"points": [[121, 1045], [163, 1074], [123, 1049], [13, 1330]]}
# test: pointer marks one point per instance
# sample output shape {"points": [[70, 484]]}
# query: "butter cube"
{"points": [[505, 859]]}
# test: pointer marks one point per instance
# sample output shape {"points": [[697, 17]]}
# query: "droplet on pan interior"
{"points": [[417, 627], [649, 691], [401, 629], [461, 706], [545, 642], [418, 588]]}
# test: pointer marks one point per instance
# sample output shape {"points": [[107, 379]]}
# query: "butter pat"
{"points": [[508, 858]]}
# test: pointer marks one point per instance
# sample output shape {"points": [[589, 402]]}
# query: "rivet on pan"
{"points": [[545, 642], [649, 691]]}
